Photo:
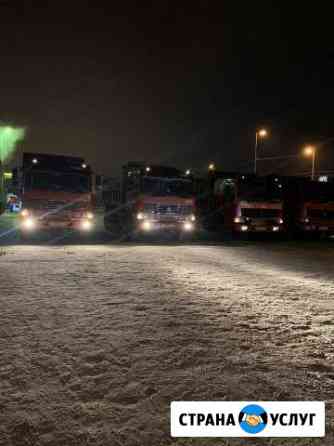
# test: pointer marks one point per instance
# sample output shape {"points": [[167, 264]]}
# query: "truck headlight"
{"points": [[275, 228], [244, 228], [281, 221], [86, 225], [29, 223], [140, 216], [239, 220], [188, 226], [147, 225], [25, 213]]}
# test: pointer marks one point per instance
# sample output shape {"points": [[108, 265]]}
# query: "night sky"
{"points": [[169, 84]]}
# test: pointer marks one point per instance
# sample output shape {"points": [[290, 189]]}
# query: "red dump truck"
{"points": [[241, 203], [309, 207], [154, 200], [57, 192]]}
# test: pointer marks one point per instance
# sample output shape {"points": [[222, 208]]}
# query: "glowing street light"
{"points": [[263, 133], [188, 172], [259, 134], [310, 151]]}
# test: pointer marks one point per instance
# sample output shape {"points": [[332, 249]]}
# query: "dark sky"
{"points": [[164, 83]]}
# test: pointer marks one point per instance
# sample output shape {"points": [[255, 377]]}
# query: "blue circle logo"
{"points": [[253, 419]]}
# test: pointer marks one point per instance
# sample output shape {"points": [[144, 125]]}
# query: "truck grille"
{"points": [[55, 209], [168, 210], [260, 213], [56, 205]]}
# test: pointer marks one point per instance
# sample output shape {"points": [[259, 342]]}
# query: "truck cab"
{"points": [[155, 199], [57, 192], [309, 207], [247, 203]]}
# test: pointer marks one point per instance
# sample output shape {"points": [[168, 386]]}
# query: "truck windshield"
{"points": [[260, 213], [255, 190], [53, 181], [258, 190], [167, 187], [325, 214]]}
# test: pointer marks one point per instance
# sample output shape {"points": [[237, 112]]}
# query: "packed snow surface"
{"points": [[96, 341]]}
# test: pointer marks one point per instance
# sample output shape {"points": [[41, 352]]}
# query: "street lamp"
{"points": [[310, 151], [188, 172], [259, 134]]}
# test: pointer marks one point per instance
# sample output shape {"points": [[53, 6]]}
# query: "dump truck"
{"points": [[154, 200], [309, 208], [57, 192], [243, 203]]}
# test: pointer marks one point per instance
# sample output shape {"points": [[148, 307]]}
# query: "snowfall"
{"points": [[97, 340]]}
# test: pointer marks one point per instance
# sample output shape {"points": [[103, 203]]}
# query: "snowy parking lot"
{"points": [[97, 340]]}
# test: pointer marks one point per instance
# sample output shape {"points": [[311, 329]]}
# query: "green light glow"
{"points": [[9, 137]]}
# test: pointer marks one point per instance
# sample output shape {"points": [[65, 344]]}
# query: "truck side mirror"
{"points": [[15, 176], [98, 181]]}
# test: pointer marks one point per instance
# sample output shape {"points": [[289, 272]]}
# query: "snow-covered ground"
{"points": [[96, 341]]}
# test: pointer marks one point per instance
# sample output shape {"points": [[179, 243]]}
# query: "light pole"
{"points": [[259, 134], [9, 136], [311, 151], [5, 131]]}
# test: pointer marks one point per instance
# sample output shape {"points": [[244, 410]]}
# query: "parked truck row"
{"points": [[58, 192], [243, 203], [155, 199]]}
